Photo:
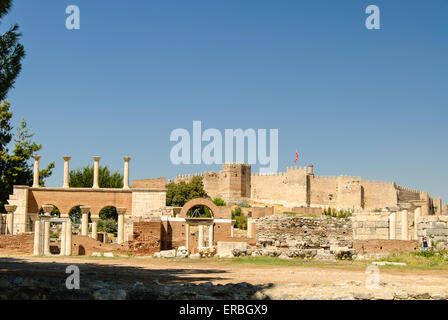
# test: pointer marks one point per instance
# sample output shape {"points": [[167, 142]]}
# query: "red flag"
{"points": [[297, 157]]}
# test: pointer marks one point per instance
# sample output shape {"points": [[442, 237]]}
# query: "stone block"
{"points": [[226, 247]]}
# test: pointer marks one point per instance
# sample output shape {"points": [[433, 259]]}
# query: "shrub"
{"points": [[240, 218], [219, 202]]}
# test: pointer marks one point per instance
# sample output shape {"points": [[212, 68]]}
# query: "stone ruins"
{"points": [[379, 210]]}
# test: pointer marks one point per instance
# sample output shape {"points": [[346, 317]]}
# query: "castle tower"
{"points": [[235, 182]]}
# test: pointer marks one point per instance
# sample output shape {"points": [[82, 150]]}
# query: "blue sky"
{"points": [[370, 103]]}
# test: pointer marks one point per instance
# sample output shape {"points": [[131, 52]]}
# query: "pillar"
{"points": [[201, 236], [96, 168], [85, 220], [210, 235], [63, 238], [417, 214], [249, 227], [46, 238], [10, 210], [126, 172], [68, 238], [1, 223], [95, 227], [231, 228], [36, 172], [187, 236], [37, 244], [392, 226], [66, 171], [404, 225], [120, 233]]}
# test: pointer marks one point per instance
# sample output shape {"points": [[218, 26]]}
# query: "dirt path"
{"points": [[181, 271]]}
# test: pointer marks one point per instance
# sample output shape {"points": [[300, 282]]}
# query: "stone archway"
{"points": [[200, 222], [199, 202]]}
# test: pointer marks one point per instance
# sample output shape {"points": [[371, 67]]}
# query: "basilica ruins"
{"points": [[379, 210]]}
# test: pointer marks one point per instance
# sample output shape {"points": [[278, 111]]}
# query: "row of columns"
{"points": [[85, 223], [44, 248], [201, 240], [96, 166]]}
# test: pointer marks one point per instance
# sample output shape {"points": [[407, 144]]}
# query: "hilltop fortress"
{"points": [[299, 187]]}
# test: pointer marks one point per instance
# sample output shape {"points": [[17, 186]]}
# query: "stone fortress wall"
{"points": [[298, 186]]}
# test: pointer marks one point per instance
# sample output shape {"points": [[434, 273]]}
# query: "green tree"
{"points": [[178, 194], [16, 168], [11, 53], [83, 178]]}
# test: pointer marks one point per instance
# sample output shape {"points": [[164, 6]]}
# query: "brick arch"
{"points": [[199, 202], [217, 211], [66, 199]]}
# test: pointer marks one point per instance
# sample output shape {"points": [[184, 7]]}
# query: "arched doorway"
{"points": [[199, 223]]}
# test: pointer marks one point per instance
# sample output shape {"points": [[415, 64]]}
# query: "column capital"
{"points": [[121, 210], [47, 209], [96, 158], [85, 209], [36, 157], [66, 158], [10, 208], [95, 218], [126, 158]]}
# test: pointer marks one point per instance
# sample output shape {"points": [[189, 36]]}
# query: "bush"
{"points": [[337, 213], [240, 218], [219, 202], [178, 194]]}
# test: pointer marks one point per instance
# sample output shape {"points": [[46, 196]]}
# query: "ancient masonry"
{"points": [[380, 211], [300, 187]]}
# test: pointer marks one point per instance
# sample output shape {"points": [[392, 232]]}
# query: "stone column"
{"points": [[187, 236], [68, 238], [201, 236], [66, 171], [37, 244], [95, 227], [36, 172], [85, 220], [392, 226], [63, 238], [10, 209], [210, 235], [404, 225], [96, 168], [120, 234], [126, 172], [232, 224], [47, 238], [249, 227], [1, 223], [417, 215]]}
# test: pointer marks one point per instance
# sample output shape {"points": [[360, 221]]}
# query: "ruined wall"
{"points": [[303, 236], [147, 201], [369, 225], [287, 188], [146, 237], [434, 226]]}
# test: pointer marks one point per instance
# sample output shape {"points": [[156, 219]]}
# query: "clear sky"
{"points": [[369, 103]]}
